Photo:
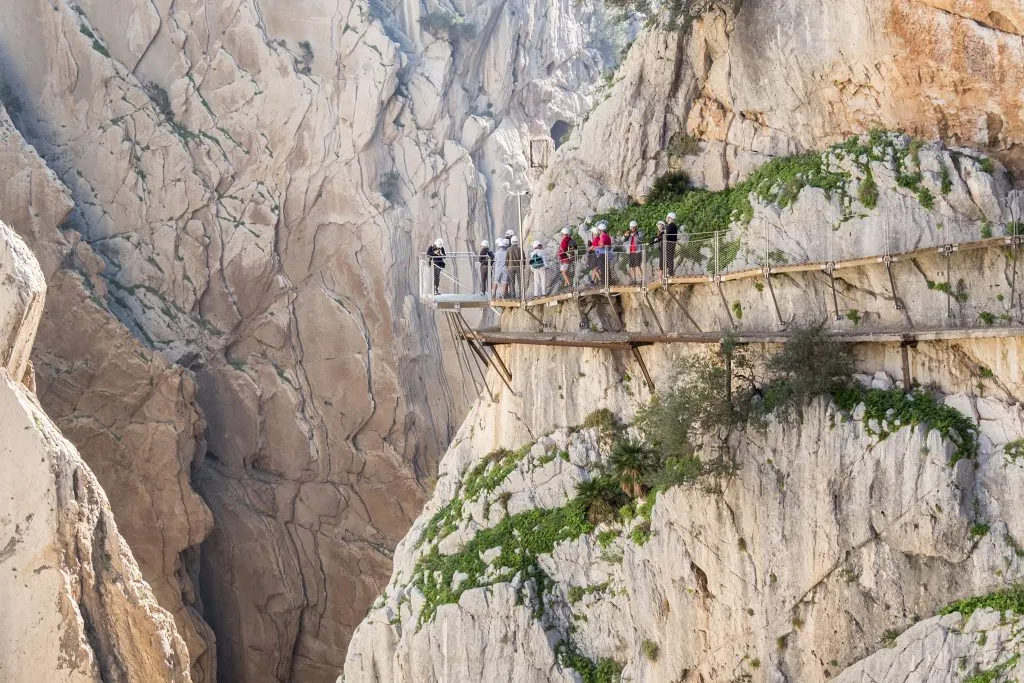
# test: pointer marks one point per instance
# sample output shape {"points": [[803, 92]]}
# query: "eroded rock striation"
{"points": [[132, 415], [76, 607], [831, 537], [256, 180]]}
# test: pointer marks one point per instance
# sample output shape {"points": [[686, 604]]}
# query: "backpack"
{"points": [[536, 261]]}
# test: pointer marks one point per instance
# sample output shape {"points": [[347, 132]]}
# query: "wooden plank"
{"points": [[811, 266], [618, 340]]}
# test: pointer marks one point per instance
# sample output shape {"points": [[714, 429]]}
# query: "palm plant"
{"points": [[628, 463]]}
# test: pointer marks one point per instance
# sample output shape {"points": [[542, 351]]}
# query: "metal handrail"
{"points": [[711, 255]]}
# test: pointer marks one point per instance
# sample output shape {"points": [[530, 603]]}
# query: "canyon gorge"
{"points": [[245, 420]]}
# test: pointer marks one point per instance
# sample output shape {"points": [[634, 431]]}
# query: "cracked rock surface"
{"points": [[249, 184], [825, 541], [76, 606]]}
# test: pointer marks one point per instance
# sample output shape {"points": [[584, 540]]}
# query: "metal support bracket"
{"points": [[654, 313], [830, 268], [767, 273], [909, 342], [888, 260], [643, 366]]}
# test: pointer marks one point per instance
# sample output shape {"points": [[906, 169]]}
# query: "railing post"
{"points": [[607, 263], [716, 253], [663, 258]]}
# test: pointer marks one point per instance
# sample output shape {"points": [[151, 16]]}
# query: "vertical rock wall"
{"points": [[76, 607], [132, 415], [257, 179]]}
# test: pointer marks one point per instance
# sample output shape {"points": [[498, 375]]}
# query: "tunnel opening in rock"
{"points": [[560, 132]]}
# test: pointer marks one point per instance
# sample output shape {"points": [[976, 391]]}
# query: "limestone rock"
{"points": [[780, 77], [76, 605], [257, 180], [825, 541], [132, 416]]}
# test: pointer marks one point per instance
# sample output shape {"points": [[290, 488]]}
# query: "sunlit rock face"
{"points": [[249, 184]]}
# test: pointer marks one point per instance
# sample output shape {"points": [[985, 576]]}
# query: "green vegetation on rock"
{"points": [[780, 181], [603, 671], [521, 538], [1010, 599], [892, 409]]}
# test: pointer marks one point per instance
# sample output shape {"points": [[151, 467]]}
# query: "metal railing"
{"points": [[759, 248]]}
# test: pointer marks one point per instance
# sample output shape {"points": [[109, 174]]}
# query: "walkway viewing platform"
{"points": [[874, 289], [694, 259]]}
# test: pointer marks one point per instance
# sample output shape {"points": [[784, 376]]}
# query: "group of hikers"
{"points": [[582, 262]]}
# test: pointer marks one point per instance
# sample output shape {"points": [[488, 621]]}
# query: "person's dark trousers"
{"points": [[437, 278], [484, 277], [513, 283], [670, 258]]}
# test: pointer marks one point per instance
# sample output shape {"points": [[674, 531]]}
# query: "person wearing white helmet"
{"points": [[501, 270], [634, 253], [671, 237], [565, 256], [515, 268], [539, 269], [436, 254], [486, 265]]}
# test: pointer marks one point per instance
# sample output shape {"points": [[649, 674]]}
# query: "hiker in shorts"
{"points": [[539, 268], [514, 264], [565, 251]]}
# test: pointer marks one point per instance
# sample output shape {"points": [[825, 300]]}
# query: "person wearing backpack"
{"points": [[486, 265], [603, 250], [436, 254], [565, 253], [539, 267]]}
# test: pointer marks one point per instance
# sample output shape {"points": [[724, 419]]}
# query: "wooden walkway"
{"points": [[628, 340], [811, 266]]}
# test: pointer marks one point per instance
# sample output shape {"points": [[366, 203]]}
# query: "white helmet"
{"points": [[633, 224], [438, 242], [602, 226], [509, 233], [671, 216], [502, 242], [661, 224], [594, 230], [565, 231], [484, 243], [514, 239], [536, 244]]}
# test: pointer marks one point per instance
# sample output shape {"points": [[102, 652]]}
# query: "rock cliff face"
{"points": [[76, 605], [828, 540], [253, 181], [767, 78], [131, 414]]}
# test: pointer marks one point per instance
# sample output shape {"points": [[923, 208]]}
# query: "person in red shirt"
{"points": [[633, 255], [565, 257], [603, 249]]}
